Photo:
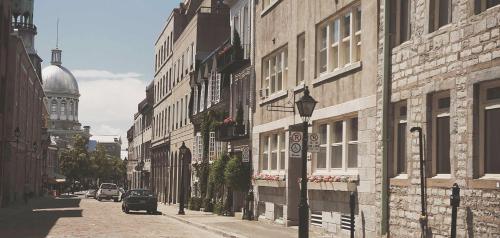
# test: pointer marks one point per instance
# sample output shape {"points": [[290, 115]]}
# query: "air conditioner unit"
{"points": [[264, 93]]}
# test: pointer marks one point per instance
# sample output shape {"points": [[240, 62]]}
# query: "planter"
{"points": [[270, 183], [332, 186]]}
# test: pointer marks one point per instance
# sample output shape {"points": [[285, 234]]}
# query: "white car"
{"points": [[90, 193], [108, 191]]}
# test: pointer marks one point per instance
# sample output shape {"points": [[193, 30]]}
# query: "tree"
{"points": [[74, 162]]}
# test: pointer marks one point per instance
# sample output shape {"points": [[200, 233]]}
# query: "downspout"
{"points": [[384, 225]]}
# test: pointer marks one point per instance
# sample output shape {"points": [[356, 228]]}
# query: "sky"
{"points": [[109, 47]]}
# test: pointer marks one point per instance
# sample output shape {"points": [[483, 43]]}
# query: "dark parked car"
{"points": [[139, 199]]}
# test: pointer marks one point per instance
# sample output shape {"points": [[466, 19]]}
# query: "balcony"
{"points": [[24, 26], [231, 58], [229, 132]]}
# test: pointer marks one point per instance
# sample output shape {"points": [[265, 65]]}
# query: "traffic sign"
{"points": [[246, 154], [313, 143], [295, 144]]}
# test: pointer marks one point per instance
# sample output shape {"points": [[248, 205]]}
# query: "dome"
{"points": [[57, 79]]}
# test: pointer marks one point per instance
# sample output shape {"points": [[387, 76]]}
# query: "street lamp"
{"points": [[183, 150], [305, 105]]}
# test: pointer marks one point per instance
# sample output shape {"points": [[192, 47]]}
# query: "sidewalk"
{"points": [[230, 226]]}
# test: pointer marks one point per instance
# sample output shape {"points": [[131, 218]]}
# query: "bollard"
{"points": [[454, 202]]}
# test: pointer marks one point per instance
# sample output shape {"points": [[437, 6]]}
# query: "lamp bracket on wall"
{"points": [[283, 108]]}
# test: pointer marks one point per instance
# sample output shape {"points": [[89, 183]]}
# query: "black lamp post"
{"points": [[182, 150], [305, 105]]}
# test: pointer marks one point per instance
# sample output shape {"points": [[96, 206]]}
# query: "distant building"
{"points": [[112, 144]]}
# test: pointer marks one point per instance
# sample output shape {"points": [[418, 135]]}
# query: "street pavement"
{"points": [[75, 216]]}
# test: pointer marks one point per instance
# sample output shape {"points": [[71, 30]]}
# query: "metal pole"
{"points": [[352, 206], [423, 214], [454, 202], [303, 206], [181, 199]]}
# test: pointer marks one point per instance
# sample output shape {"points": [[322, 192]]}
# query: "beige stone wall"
{"points": [[348, 91], [455, 57]]}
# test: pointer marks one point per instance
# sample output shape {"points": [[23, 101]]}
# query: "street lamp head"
{"points": [[306, 105], [183, 148], [17, 132]]}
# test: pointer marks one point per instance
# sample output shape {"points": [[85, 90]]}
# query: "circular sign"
{"points": [[296, 137], [296, 147]]}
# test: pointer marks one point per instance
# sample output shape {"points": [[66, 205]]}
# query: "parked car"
{"points": [[108, 191], [90, 193], [139, 199]]}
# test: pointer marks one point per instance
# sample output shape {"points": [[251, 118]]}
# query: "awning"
{"points": [[58, 178]]}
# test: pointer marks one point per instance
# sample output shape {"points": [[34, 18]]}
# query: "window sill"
{"points": [[275, 96], [337, 73], [485, 182], [439, 31], [400, 181], [269, 8], [440, 181]]}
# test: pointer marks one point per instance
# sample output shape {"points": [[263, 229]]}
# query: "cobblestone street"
{"points": [[80, 217]]}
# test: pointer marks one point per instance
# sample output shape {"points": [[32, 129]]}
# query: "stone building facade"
{"points": [[331, 49], [444, 76], [192, 31], [21, 105]]}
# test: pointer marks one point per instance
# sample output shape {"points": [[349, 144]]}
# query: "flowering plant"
{"points": [[267, 177], [228, 121], [330, 179]]}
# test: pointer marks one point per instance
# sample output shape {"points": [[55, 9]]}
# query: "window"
{"points": [[202, 97], [181, 114], [339, 40], [186, 116], [441, 133], [265, 153], [439, 14], [338, 145], [400, 21], [70, 109], [273, 152], [399, 138], [275, 71], [195, 102], [63, 110], [301, 59], [216, 88], [489, 128], [211, 146], [482, 5], [192, 55]]}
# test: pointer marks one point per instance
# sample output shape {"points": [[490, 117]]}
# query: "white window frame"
{"points": [[336, 49], [211, 146], [438, 113], [485, 105], [269, 150], [399, 120], [202, 97], [343, 144], [272, 71]]}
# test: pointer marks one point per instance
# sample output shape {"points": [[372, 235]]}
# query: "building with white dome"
{"points": [[62, 98]]}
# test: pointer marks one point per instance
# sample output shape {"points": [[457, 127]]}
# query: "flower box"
{"points": [[270, 183], [332, 186]]}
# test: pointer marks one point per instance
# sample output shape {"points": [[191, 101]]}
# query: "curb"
{"points": [[205, 227]]}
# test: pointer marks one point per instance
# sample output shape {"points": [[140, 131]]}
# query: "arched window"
{"points": [[70, 110], [53, 107], [63, 110]]}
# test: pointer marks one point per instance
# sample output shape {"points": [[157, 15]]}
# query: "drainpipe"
{"points": [[384, 224]]}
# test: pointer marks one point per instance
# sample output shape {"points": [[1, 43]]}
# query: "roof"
{"points": [[105, 138]]}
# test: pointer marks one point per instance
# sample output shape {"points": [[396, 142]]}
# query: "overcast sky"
{"points": [[108, 45]]}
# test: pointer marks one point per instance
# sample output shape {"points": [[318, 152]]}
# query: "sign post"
{"points": [[313, 146], [296, 144]]}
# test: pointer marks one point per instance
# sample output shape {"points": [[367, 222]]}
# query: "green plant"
{"points": [[207, 205], [238, 50], [219, 208], [195, 203], [237, 174]]}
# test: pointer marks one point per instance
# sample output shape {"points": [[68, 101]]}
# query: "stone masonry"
{"points": [[456, 57]]}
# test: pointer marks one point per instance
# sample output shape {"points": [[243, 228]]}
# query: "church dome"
{"points": [[58, 79]]}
